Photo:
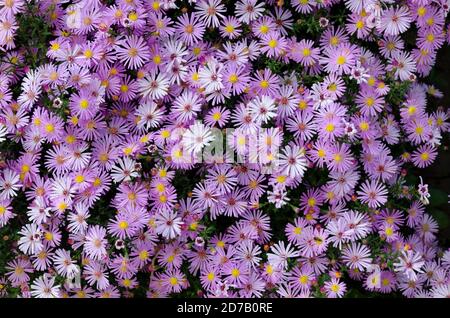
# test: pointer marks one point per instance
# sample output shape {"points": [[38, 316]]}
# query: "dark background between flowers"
{"points": [[438, 174]]}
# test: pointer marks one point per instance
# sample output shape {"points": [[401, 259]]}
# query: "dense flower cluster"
{"points": [[102, 125]]}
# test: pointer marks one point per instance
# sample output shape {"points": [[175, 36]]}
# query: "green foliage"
{"points": [[35, 34]]}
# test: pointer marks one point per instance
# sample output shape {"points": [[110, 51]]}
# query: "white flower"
{"points": [[210, 77], [168, 224], [170, 4], [374, 7], [38, 212], [262, 108], [436, 137], [423, 192], [73, 18], [280, 254], [249, 10], [9, 184], [441, 291], [373, 20], [2, 132], [197, 137], [222, 289], [154, 86], [77, 219], [359, 73], [373, 280], [350, 129], [43, 287], [292, 161], [403, 66], [30, 239], [278, 197], [124, 170], [64, 264], [31, 89], [320, 96], [409, 263], [149, 115]]}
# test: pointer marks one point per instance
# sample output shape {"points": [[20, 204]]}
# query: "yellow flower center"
{"points": [[54, 76], [157, 59], [311, 202], [48, 236], [124, 88], [341, 60], [55, 46], [133, 52], [127, 151], [62, 206], [335, 288], [332, 87], [264, 29], [173, 281], [273, 43], [229, 28], [133, 16], [370, 101], [79, 178], [264, 84], [193, 226], [389, 231], [49, 128], [364, 126], [165, 134], [216, 116], [143, 255], [97, 182], [329, 127], [334, 40], [360, 24], [123, 225], [424, 156], [25, 168], [88, 54], [156, 5], [337, 158], [197, 50], [281, 179], [131, 196], [84, 104], [303, 279], [162, 198], [421, 11]]}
